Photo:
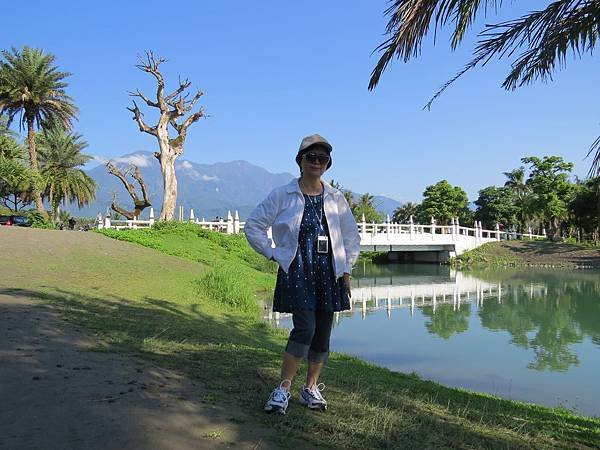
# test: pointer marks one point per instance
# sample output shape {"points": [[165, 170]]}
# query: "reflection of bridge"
{"points": [[368, 294], [463, 289]]}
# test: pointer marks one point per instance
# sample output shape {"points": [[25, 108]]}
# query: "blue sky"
{"points": [[275, 71]]}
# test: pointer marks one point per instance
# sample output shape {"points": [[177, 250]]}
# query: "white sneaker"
{"points": [[312, 398], [278, 400]]}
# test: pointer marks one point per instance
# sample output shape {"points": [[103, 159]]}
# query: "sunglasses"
{"points": [[316, 158]]}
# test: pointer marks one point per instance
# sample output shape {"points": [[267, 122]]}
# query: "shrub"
{"points": [[37, 220], [227, 285]]}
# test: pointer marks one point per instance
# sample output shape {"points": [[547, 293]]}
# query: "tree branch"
{"points": [[139, 204], [193, 101], [115, 207], [139, 94], [137, 116], [112, 169], [151, 65], [137, 175], [190, 120], [182, 87]]}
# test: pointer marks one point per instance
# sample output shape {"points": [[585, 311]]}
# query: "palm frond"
{"points": [[595, 167], [548, 36], [410, 21], [31, 85]]}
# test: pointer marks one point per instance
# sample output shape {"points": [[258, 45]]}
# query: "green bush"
{"points": [[37, 220], [226, 284]]}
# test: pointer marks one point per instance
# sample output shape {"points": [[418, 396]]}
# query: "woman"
{"points": [[316, 243]]}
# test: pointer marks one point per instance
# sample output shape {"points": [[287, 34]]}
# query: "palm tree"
{"points": [[59, 157], [31, 85], [402, 214], [366, 206], [515, 181], [539, 41]]}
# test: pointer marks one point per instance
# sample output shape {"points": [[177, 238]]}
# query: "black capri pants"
{"points": [[310, 336]]}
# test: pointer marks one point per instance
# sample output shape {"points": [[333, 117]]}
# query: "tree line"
{"points": [[539, 195], [48, 166]]}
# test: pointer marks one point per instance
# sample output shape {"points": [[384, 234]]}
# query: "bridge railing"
{"points": [[388, 230], [455, 231]]}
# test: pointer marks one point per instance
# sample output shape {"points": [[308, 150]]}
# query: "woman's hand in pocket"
{"points": [[347, 283]]}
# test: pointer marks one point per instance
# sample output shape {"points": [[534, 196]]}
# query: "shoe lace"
{"points": [[280, 393], [316, 391]]}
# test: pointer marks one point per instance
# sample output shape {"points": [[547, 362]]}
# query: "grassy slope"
{"points": [[530, 253], [145, 303]]}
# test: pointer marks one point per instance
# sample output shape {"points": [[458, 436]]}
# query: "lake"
{"points": [[522, 334]]}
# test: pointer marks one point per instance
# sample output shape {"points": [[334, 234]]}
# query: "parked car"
{"points": [[17, 221]]}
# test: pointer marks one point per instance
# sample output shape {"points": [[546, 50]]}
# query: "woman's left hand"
{"points": [[347, 284]]}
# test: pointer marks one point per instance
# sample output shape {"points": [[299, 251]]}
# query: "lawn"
{"points": [[190, 300]]}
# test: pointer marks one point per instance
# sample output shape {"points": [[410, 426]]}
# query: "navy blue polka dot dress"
{"points": [[310, 282]]}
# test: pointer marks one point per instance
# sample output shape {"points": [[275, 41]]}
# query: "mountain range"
{"points": [[210, 189]]}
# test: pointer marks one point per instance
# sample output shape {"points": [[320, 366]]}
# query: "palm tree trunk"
{"points": [[37, 195]]}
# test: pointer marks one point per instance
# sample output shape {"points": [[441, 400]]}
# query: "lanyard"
{"points": [[319, 218]]}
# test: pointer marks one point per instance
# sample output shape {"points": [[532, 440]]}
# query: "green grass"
{"points": [[171, 307], [530, 253], [229, 253], [492, 254]]}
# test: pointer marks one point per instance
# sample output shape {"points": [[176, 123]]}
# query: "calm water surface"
{"points": [[528, 335]]}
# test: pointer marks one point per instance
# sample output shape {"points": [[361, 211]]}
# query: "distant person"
{"points": [[72, 223], [317, 242]]}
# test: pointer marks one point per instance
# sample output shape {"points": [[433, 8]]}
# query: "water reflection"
{"points": [[545, 313]]}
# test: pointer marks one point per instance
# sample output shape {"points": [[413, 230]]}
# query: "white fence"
{"points": [[231, 225], [376, 236]]}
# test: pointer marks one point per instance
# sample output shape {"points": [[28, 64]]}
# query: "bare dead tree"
{"points": [[173, 109], [138, 204]]}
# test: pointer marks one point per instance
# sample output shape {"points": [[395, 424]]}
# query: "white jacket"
{"points": [[283, 209]]}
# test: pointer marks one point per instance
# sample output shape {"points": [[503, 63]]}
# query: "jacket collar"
{"points": [[294, 186]]}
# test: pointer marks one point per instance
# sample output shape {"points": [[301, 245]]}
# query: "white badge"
{"points": [[322, 244]]}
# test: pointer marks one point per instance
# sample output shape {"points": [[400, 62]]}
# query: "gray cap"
{"points": [[309, 141]]}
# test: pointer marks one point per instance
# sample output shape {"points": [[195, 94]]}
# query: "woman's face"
{"points": [[314, 161]]}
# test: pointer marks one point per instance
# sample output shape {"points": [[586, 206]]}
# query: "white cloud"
{"points": [[193, 173], [138, 160]]}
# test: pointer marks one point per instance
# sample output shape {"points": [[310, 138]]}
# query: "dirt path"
{"points": [[57, 394]]}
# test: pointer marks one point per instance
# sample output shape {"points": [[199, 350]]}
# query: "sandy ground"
{"points": [[57, 394]]}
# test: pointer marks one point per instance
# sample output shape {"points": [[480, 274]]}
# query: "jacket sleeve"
{"points": [[350, 235], [259, 221]]}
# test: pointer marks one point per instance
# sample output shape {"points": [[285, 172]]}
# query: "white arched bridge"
{"points": [[408, 242]]}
